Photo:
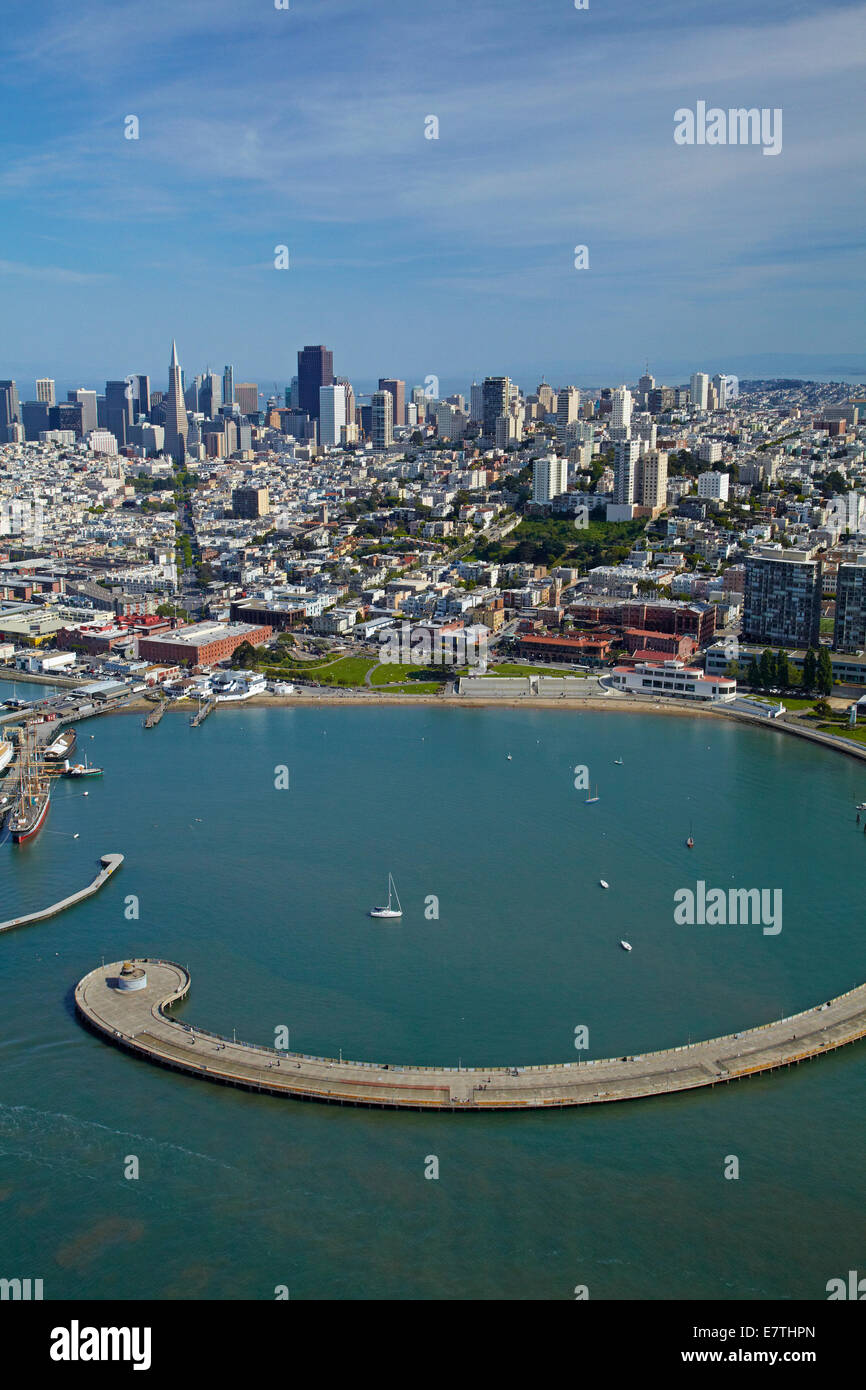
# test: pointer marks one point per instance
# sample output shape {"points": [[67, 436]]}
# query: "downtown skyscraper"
{"points": [[315, 370], [175, 411]]}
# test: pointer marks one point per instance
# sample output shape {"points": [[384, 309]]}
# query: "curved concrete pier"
{"points": [[138, 1022], [109, 863]]}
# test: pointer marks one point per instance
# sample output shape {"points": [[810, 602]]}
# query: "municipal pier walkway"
{"points": [[109, 863], [136, 1020]]}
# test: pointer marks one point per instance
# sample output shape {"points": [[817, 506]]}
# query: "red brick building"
{"points": [[201, 644]]}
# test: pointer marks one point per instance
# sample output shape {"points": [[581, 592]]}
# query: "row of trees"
{"points": [[773, 671]]}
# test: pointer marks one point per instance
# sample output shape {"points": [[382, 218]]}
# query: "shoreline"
{"points": [[357, 699]]}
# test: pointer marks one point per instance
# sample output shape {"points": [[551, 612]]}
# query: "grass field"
{"points": [[507, 669]]}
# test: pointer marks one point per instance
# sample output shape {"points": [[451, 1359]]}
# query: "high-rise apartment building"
{"points": [[720, 386], [175, 411], [625, 461], [397, 391], [567, 410], [45, 390], [621, 408], [714, 485], [699, 390], [382, 420], [849, 629], [651, 487], [249, 503], [782, 601], [315, 370], [476, 403], [549, 478]]}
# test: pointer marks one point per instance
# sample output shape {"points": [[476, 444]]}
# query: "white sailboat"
{"points": [[626, 946], [389, 911], [594, 797], [604, 883]]}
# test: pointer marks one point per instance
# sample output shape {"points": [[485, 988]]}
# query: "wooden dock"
{"points": [[109, 862], [152, 719], [207, 707], [138, 1022]]}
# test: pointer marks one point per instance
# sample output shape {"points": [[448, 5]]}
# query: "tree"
{"points": [[783, 671], [809, 670], [824, 675], [754, 675], [768, 669], [822, 707]]}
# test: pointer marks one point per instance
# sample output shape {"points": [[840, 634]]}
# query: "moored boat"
{"points": [[34, 792], [389, 911], [84, 769], [60, 747]]}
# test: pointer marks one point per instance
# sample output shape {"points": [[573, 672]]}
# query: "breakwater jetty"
{"points": [[109, 862], [126, 1003]]}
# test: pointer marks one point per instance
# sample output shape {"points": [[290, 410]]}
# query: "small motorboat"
{"points": [[625, 945], [690, 844], [604, 883]]}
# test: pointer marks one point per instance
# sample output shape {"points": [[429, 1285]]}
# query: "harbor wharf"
{"points": [[109, 862], [136, 1019]]}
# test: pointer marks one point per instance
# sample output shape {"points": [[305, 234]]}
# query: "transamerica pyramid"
{"points": [[175, 411]]}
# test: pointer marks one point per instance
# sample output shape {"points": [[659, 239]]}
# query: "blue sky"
{"points": [[305, 127]]}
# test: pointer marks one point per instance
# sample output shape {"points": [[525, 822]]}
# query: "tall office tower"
{"points": [[476, 402], [397, 389], [652, 479], [315, 369], [732, 388], [549, 478], [625, 459], [546, 398], [849, 630], [89, 412], [228, 385], [68, 415], [118, 411], [421, 401], [247, 396], [141, 394], [644, 386], [382, 420], [34, 418], [720, 384], [332, 413], [210, 395], [45, 390], [621, 408], [698, 391], [175, 411], [567, 410], [782, 602], [10, 409], [660, 399], [495, 397]]}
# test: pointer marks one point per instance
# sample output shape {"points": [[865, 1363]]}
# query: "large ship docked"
{"points": [[60, 747], [34, 793]]}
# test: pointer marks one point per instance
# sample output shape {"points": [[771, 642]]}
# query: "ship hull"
{"points": [[60, 748], [22, 832]]}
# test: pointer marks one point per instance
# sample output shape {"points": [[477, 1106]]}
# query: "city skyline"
{"points": [[414, 254]]}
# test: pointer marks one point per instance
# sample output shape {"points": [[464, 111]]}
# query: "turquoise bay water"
{"points": [[264, 893]]}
